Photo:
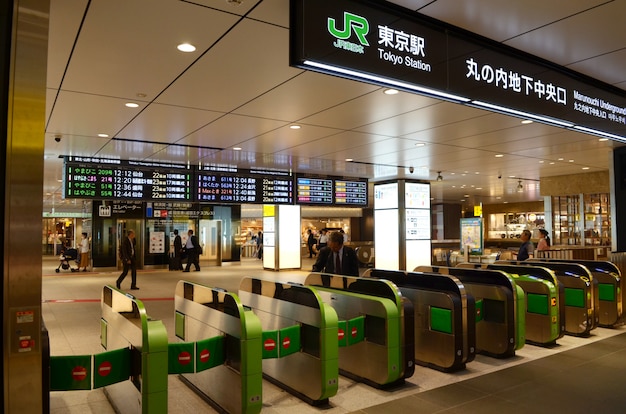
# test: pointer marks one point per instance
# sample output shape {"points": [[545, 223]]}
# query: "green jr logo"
{"points": [[351, 22]]}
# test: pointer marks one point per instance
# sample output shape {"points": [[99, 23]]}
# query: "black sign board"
{"points": [[382, 43], [331, 191], [104, 179], [227, 185]]}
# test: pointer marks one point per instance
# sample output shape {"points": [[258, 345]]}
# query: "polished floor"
{"points": [[579, 375]]}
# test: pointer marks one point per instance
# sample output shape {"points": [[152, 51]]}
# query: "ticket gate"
{"points": [[225, 338], [445, 322], [300, 348], [545, 310], [133, 340], [382, 353], [500, 308], [581, 294], [610, 289]]}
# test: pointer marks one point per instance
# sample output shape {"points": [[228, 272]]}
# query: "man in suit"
{"points": [[178, 251], [336, 258], [192, 248], [128, 256]]}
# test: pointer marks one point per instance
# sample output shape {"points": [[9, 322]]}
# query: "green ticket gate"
{"points": [[224, 340], [581, 294], [445, 323], [375, 328], [545, 310], [610, 289], [500, 308], [137, 349], [299, 341]]}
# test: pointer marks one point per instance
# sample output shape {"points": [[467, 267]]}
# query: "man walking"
{"points": [[129, 260], [192, 248]]}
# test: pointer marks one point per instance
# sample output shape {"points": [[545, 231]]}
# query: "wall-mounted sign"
{"points": [[325, 190], [385, 44]]}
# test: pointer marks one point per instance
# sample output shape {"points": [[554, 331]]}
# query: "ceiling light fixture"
{"points": [[236, 148], [390, 91], [132, 105], [295, 127], [186, 47], [439, 176], [522, 114], [103, 135]]}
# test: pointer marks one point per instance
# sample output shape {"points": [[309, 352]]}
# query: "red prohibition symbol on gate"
{"points": [[286, 342], [354, 331], [104, 369], [79, 373], [205, 355], [269, 344], [341, 334], [184, 358]]}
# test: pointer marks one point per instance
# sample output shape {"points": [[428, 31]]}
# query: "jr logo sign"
{"points": [[351, 23]]}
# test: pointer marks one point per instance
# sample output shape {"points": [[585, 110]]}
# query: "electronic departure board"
{"points": [[102, 179], [324, 190], [217, 184], [313, 190], [350, 192], [106, 179]]}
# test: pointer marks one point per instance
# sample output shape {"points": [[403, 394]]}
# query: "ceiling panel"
{"points": [[237, 89]]}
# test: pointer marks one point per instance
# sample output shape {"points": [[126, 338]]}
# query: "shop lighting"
{"points": [[385, 81]]}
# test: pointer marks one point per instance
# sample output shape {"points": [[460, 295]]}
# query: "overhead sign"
{"points": [[382, 43], [331, 191], [105, 179]]}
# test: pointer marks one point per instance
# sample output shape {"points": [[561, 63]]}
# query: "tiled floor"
{"points": [[577, 376]]}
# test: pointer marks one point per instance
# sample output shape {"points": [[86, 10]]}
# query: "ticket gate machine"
{"points": [[382, 355], [500, 308], [610, 289], [545, 305], [300, 347], [226, 342], [445, 322], [581, 294]]}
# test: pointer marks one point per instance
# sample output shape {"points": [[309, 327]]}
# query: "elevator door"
{"points": [[123, 226], [210, 236]]}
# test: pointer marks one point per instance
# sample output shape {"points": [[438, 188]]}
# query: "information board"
{"points": [[350, 192], [312, 190], [102, 179], [218, 184]]}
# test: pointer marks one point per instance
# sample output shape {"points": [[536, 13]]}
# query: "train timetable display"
{"points": [[247, 186], [95, 178], [350, 192], [314, 190]]}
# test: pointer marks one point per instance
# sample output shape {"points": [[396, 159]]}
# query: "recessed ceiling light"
{"points": [[103, 135], [527, 121], [511, 176], [132, 105], [419, 144], [391, 91], [552, 163], [603, 139], [236, 148], [186, 47], [479, 188], [541, 162], [349, 160], [465, 195], [499, 155], [571, 160], [560, 159], [585, 168], [295, 127]]}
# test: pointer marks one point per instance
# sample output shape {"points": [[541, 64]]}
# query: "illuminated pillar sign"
{"points": [[385, 44]]}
